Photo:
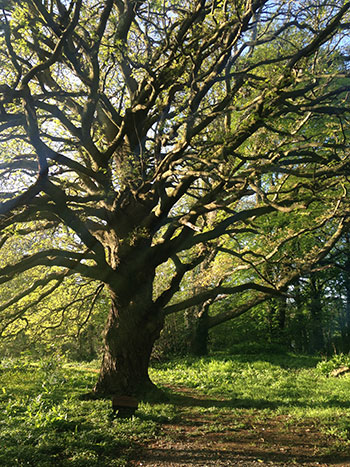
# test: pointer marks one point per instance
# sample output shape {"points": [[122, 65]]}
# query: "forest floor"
{"points": [[221, 410], [205, 432]]}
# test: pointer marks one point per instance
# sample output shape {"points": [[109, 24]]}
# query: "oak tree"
{"points": [[150, 132]]}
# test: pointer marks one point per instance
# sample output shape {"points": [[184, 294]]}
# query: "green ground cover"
{"points": [[44, 419]]}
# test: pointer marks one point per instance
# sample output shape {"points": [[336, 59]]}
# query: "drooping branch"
{"points": [[233, 313], [263, 292], [69, 260], [57, 277], [73, 221], [220, 290]]}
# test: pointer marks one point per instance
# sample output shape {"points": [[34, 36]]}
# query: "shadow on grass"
{"points": [[186, 400], [64, 443]]}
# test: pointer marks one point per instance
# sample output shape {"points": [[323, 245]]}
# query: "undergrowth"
{"points": [[44, 420]]}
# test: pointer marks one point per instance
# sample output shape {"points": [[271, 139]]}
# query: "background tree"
{"points": [[129, 122], [310, 318]]}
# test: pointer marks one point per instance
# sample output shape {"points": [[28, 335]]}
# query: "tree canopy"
{"points": [[139, 134]]}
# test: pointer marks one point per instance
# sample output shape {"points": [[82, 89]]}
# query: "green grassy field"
{"points": [[45, 421]]}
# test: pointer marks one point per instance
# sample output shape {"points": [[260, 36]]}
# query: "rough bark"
{"points": [[130, 334]]}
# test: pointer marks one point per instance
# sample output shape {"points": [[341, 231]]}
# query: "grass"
{"points": [[44, 421], [294, 386]]}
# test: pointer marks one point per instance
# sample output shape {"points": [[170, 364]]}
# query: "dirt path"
{"points": [[209, 433]]}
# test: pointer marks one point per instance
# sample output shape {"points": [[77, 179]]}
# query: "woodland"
{"points": [[174, 230], [174, 181]]}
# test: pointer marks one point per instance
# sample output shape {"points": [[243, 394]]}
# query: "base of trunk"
{"points": [[149, 393], [110, 385]]}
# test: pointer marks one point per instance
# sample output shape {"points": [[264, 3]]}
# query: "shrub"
{"points": [[327, 366]]}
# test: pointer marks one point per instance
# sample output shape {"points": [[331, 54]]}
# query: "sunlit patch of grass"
{"points": [[160, 413], [257, 382], [265, 387]]}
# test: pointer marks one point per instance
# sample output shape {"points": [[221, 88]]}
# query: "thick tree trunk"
{"points": [[300, 333], [346, 275], [131, 331], [316, 337], [277, 318], [200, 332], [345, 330]]}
